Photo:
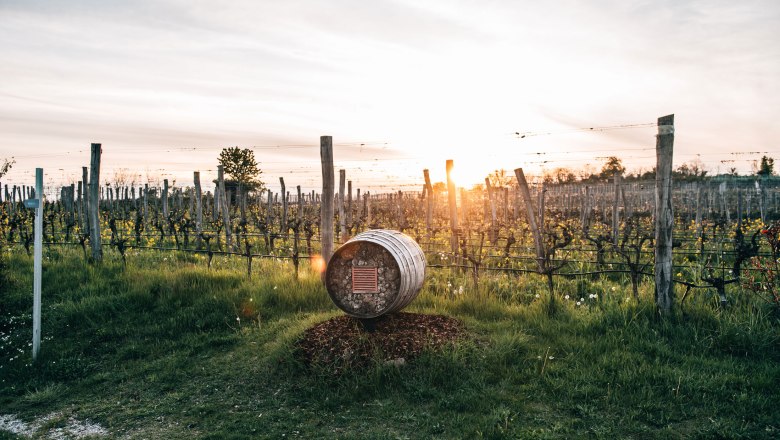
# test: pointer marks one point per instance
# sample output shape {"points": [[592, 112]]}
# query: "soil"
{"points": [[345, 342]]}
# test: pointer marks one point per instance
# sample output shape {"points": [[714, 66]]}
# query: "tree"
{"points": [[6, 166], [439, 187], [690, 171], [612, 166], [500, 179], [241, 166], [560, 175], [767, 166]]}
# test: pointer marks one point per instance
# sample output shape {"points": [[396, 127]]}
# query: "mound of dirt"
{"points": [[344, 341]]}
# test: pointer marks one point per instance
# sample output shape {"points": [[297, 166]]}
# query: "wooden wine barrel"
{"points": [[377, 272]]}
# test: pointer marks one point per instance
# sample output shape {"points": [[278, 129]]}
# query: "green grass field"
{"points": [[168, 349]]}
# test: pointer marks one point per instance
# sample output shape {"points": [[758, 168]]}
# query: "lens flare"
{"points": [[318, 263]]}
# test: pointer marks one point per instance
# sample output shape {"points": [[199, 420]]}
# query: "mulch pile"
{"points": [[396, 338]]}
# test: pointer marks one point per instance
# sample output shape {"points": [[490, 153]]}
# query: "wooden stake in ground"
{"points": [[225, 208], [616, 211], [94, 203], [198, 209], [326, 211], [85, 199], [530, 215], [165, 199], [429, 207], [38, 262], [283, 223], [453, 208], [664, 215], [349, 205], [342, 215], [491, 200]]}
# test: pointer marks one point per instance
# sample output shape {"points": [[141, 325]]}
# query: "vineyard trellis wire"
{"points": [[140, 222], [553, 231]]}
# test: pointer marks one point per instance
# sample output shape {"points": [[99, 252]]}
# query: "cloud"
{"points": [[427, 78]]}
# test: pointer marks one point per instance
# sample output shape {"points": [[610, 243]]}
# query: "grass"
{"points": [[168, 349]]}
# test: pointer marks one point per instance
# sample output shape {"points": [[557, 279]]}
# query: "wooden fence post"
{"points": [[269, 211], [165, 199], [326, 207], [38, 263], [94, 203], [491, 200], [698, 210], [367, 207], [198, 209], [453, 208], [342, 219], [664, 215], [530, 215], [283, 220], [429, 207], [541, 196], [225, 208], [349, 204], [85, 199]]}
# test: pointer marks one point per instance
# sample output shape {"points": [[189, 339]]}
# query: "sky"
{"points": [[401, 85]]}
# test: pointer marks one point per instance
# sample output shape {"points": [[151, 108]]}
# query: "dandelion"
{"points": [[593, 296], [460, 290], [579, 303], [614, 288], [551, 357], [566, 297], [537, 295]]}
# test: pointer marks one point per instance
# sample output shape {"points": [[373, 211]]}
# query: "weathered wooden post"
{"points": [[541, 196], [283, 219], [296, 232], [326, 210], [38, 262], [367, 206], [491, 200], [349, 204], [165, 199], [401, 220], [698, 210], [616, 211], [453, 208], [342, 219], [198, 209], [225, 208], [85, 199], [146, 202], [530, 215], [94, 203], [664, 215], [429, 207], [80, 203], [215, 205]]}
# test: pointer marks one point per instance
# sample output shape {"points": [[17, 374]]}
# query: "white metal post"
{"points": [[37, 265]]}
